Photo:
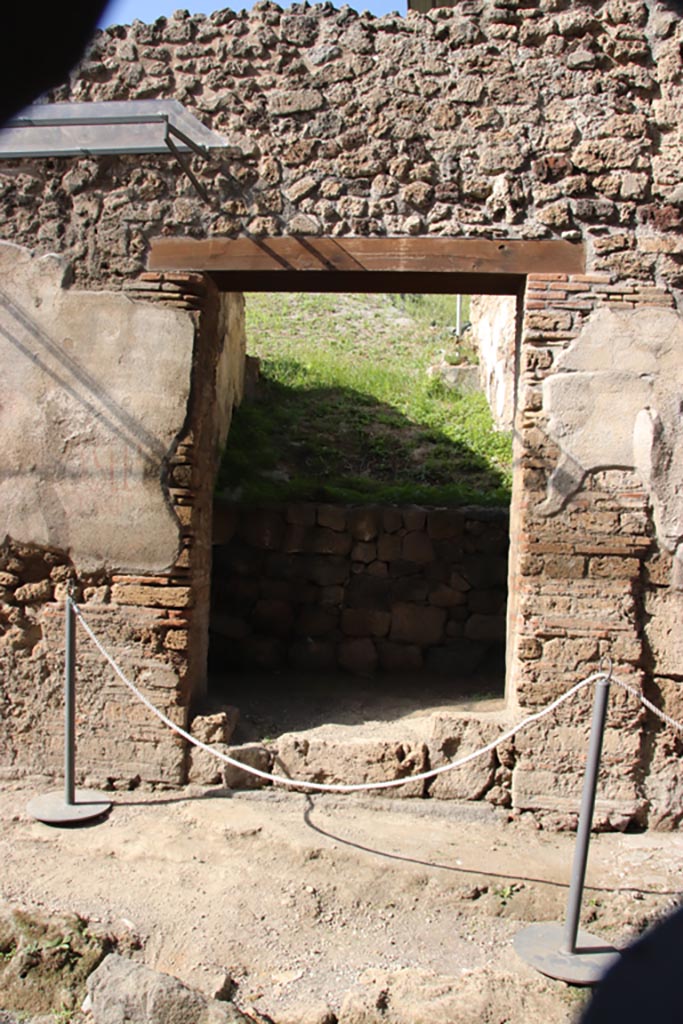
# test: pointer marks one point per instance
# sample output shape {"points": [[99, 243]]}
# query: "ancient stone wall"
{"points": [[529, 119], [85, 432], [587, 561], [363, 590]]}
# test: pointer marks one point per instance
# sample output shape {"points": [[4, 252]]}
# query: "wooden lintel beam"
{"points": [[376, 255]]}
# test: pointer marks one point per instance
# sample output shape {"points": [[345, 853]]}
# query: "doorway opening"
{"points": [[371, 265], [361, 519]]}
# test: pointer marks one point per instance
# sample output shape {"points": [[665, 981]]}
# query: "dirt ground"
{"points": [[305, 901]]}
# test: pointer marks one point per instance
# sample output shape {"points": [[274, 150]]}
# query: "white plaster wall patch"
{"points": [[615, 401]]}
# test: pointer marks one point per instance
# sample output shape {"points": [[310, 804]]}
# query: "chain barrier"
{"points": [[321, 787]]}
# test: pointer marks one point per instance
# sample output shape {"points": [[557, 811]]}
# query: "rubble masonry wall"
{"points": [[522, 120]]}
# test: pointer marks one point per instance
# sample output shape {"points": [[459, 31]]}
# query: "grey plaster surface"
{"points": [[93, 393]]}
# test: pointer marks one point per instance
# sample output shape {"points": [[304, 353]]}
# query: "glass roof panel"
{"points": [[113, 127]]}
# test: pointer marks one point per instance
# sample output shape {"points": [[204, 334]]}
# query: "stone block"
{"points": [[235, 557], [417, 547], [365, 622], [414, 518], [364, 523], [489, 628], [203, 768], [403, 568], [176, 639], [349, 760], [365, 591], [295, 101], [446, 597], [378, 568], [278, 590], [301, 515], [664, 632], [326, 570], [392, 520], [122, 990], [296, 538], [457, 657], [436, 572], [459, 613], [451, 551], [389, 547], [314, 620], [332, 595], [263, 528], [560, 793], [151, 597], [264, 652], [445, 524], [458, 582], [272, 617], [225, 521], [364, 552], [614, 568], [215, 728], [399, 657], [358, 656], [452, 737], [411, 588], [414, 623], [332, 516], [482, 571], [254, 755], [325, 541], [34, 593], [312, 654], [228, 625], [487, 602], [236, 595], [565, 566], [529, 648]]}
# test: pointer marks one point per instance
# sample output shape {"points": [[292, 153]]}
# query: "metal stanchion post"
{"points": [[566, 952], [69, 704], [72, 806], [583, 833]]}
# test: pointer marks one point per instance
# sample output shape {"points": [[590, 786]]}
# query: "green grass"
{"points": [[346, 412]]}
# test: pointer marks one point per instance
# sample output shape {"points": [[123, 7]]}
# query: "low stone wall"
{"points": [[364, 590]]}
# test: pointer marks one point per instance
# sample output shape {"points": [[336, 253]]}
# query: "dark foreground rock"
{"points": [[122, 991]]}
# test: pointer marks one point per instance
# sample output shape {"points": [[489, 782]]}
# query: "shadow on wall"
{"points": [[298, 441], [365, 589]]}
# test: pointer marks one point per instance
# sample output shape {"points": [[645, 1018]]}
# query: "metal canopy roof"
{"points": [[112, 127]]}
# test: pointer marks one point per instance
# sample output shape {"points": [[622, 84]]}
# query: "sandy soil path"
{"points": [[298, 898]]}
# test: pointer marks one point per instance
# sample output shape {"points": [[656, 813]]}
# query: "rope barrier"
{"points": [[365, 786]]}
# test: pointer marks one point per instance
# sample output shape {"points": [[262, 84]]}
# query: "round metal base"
{"points": [[53, 809], [541, 946]]}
